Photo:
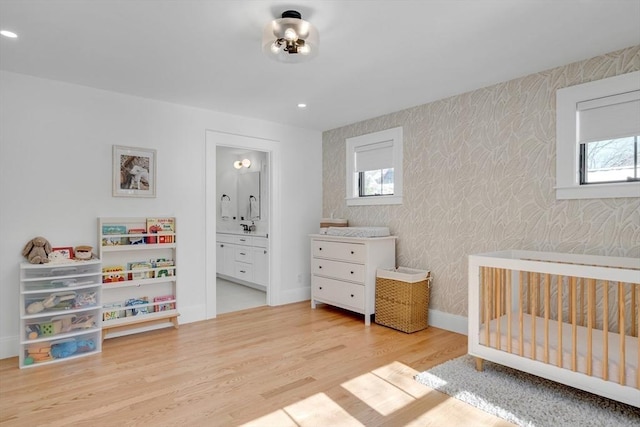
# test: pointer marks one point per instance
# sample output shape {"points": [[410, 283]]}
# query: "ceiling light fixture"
{"points": [[9, 34], [290, 38]]}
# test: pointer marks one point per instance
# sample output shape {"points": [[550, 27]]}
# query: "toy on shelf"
{"points": [[37, 250]]}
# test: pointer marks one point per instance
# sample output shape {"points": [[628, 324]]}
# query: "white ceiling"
{"points": [[375, 57]]}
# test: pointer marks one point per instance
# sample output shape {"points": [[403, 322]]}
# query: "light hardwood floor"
{"points": [[268, 366]]}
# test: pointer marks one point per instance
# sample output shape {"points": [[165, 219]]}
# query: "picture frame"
{"points": [[64, 252], [134, 172]]}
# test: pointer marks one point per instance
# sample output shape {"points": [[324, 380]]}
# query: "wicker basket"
{"points": [[400, 304]]}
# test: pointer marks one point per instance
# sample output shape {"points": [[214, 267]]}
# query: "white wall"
{"points": [[55, 180]]}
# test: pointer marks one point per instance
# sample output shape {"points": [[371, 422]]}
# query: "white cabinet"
{"points": [[243, 258], [60, 311], [343, 270], [139, 276]]}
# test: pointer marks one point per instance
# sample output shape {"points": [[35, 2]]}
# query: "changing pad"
{"points": [[358, 231]]}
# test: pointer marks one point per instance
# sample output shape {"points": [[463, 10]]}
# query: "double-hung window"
{"points": [[374, 168], [598, 139]]}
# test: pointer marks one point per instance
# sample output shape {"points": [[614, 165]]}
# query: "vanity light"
{"points": [[239, 164]]}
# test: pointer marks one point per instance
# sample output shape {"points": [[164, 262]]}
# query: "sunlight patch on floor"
{"points": [[386, 390]]}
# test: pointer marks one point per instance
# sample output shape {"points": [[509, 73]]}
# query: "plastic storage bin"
{"points": [[402, 298]]}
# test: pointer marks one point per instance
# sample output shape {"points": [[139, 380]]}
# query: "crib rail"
{"points": [[565, 312]]}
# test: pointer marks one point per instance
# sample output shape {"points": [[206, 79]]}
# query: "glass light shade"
{"points": [[246, 163], [237, 164], [283, 27]]}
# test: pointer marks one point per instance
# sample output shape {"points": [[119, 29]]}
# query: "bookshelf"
{"points": [[139, 276]]}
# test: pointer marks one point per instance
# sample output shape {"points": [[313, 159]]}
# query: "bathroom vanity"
{"points": [[243, 258]]}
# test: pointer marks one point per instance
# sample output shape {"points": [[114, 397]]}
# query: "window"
{"points": [[374, 168], [598, 133]]}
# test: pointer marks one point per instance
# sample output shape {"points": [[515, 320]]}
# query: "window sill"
{"points": [[374, 200], [599, 191]]}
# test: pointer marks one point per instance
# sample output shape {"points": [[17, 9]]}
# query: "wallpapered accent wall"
{"points": [[479, 175]]}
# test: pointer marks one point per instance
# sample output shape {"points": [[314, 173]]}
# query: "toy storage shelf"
{"points": [[139, 274], [60, 311]]}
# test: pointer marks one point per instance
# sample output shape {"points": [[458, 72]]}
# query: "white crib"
{"points": [[569, 318]]}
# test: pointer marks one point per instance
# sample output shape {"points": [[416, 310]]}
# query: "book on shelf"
{"points": [[145, 272], [163, 227], [131, 303], [164, 307], [112, 311], [112, 274], [136, 240], [113, 229]]}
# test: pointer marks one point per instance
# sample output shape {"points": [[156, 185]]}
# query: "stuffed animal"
{"points": [[37, 250]]}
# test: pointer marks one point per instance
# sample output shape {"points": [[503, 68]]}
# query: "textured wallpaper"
{"points": [[479, 175]]}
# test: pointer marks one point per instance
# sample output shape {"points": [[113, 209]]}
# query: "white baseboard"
{"points": [[9, 347], [450, 322], [290, 296]]}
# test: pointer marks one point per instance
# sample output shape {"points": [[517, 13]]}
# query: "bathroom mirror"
{"points": [[249, 196]]}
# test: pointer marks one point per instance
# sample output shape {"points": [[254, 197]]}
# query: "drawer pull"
{"points": [[242, 271], [319, 249], [265, 252], [351, 295], [242, 253], [319, 266], [320, 287], [351, 252], [352, 272], [222, 246], [243, 240]]}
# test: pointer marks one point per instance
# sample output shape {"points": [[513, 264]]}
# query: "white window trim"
{"points": [[395, 136], [567, 147]]}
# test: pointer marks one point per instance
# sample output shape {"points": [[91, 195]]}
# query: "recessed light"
{"points": [[301, 105], [9, 34]]}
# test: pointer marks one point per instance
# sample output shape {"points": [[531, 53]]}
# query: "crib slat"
{"points": [[534, 313], [605, 331], [521, 317], [508, 273], [581, 288], [634, 322], [574, 328], [621, 332], [497, 275], [547, 296], [591, 296], [485, 287], [559, 352]]}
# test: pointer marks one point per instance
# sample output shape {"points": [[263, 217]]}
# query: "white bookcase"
{"points": [[139, 276], [60, 311]]}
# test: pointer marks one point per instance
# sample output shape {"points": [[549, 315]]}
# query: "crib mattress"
{"points": [[358, 231], [631, 346]]}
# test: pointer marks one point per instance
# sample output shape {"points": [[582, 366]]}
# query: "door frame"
{"points": [[213, 139]]}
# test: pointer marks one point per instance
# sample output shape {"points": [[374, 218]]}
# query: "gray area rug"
{"points": [[524, 399]]}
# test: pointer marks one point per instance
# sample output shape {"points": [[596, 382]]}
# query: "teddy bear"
{"points": [[37, 250]]}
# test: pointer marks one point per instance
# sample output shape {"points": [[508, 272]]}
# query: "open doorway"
{"points": [[242, 228], [233, 256]]}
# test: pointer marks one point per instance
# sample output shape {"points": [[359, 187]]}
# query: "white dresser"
{"points": [[343, 270]]}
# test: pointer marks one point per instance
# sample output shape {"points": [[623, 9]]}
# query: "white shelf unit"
{"points": [[145, 297], [60, 311]]}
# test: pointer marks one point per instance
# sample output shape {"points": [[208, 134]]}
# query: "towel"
{"points": [[225, 209], [254, 208]]}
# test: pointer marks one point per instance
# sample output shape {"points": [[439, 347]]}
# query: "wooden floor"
{"points": [[268, 366]]}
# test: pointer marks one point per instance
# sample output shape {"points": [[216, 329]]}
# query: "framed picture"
{"points": [[134, 172], [66, 253]]}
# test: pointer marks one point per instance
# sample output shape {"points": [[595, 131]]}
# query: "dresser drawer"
{"points": [[338, 270], [244, 255], [244, 271], [62, 269], [352, 252], [347, 295]]}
